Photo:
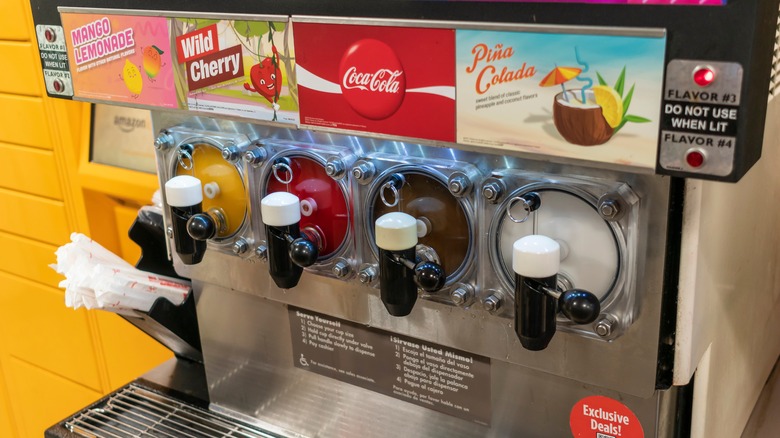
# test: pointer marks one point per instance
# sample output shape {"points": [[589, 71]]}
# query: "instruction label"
{"points": [[54, 59], [450, 381], [701, 119]]}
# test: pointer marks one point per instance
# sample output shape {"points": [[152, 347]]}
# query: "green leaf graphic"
{"points": [[250, 29], [627, 100], [621, 82], [199, 23], [601, 79], [636, 119]]}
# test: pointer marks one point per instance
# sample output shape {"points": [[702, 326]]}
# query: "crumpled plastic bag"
{"points": [[96, 278]]}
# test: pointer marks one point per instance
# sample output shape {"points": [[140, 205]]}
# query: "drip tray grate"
{"points": [[135, 411]]}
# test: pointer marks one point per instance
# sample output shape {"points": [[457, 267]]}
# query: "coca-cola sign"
{"points": [[383, 80], [372, 79]]}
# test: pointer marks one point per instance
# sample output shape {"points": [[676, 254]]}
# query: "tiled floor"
{"points": [[765, 420]]}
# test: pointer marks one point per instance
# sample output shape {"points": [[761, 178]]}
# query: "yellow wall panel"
{"points": [[102, 222], [125, 216], [23, 121], [42, 399], [36, 327], [118, 182], [39, 218], [128, 351], [16, 80], [14, 21], [29, 170], [6, 425], [29, 259]]}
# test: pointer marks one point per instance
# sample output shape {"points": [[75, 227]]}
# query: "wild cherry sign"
{"points": [[379, 79]]}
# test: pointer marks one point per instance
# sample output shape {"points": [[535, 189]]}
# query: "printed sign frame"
{"points": [[562, 92], [171, 81], [387, 119]]}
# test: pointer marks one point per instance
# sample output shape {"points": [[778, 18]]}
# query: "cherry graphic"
{"points": [[266, 79]]}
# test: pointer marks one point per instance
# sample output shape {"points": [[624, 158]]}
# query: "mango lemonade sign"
{"points": [[120, 58], [588, 97]]}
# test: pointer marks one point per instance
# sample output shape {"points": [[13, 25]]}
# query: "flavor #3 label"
{"points": [[236, 68], [120, 58], [386, 80], [589, 97]]}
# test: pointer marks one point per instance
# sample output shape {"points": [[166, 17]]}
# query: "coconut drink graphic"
{"points": [[590, 115], [584, 122]]}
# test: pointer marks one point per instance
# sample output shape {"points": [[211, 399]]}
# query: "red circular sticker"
{"points": [[602, 417], [372, 79]]}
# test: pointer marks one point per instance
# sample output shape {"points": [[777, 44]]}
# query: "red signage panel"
{"points": [[378, 79]]}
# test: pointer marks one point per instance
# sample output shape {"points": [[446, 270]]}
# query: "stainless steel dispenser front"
{"points": [[611, 226]]}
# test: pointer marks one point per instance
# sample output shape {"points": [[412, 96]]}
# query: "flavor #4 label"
{"points": [[384, 80], [588, 97], [120, 58], [236, 68]]}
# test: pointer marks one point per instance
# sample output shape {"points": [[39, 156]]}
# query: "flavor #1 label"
{"points": [[236, 68], [385, 80], [589, 97], [120, 58]]}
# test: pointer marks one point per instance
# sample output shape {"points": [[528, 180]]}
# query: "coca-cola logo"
{"points": [[372, 79]]}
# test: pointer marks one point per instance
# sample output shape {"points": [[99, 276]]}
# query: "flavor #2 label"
{"points": [[588, 97], [384, 80], [432, 376], [236, 68], [120, 58]]}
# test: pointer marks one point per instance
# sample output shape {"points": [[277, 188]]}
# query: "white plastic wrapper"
{"points": [[96, 278]]}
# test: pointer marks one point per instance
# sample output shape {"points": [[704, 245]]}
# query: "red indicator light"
{"points": [[703, 76], [50, 35], [694, 158], [58, 86]]}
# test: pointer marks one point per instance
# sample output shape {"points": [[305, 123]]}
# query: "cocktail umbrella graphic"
{"points": [[559, 76]]}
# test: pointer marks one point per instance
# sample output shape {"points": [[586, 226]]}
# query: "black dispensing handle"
{"points": [[284, 272], [534, 311], [201, 227], [429, 276], [288, 254], [190, 250], [537, 303], [396, 282], [399, 278], [580, 306], [302, 252]]}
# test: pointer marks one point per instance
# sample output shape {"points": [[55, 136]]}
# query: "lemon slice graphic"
{"points": [[611, 104], [132, 77]]}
